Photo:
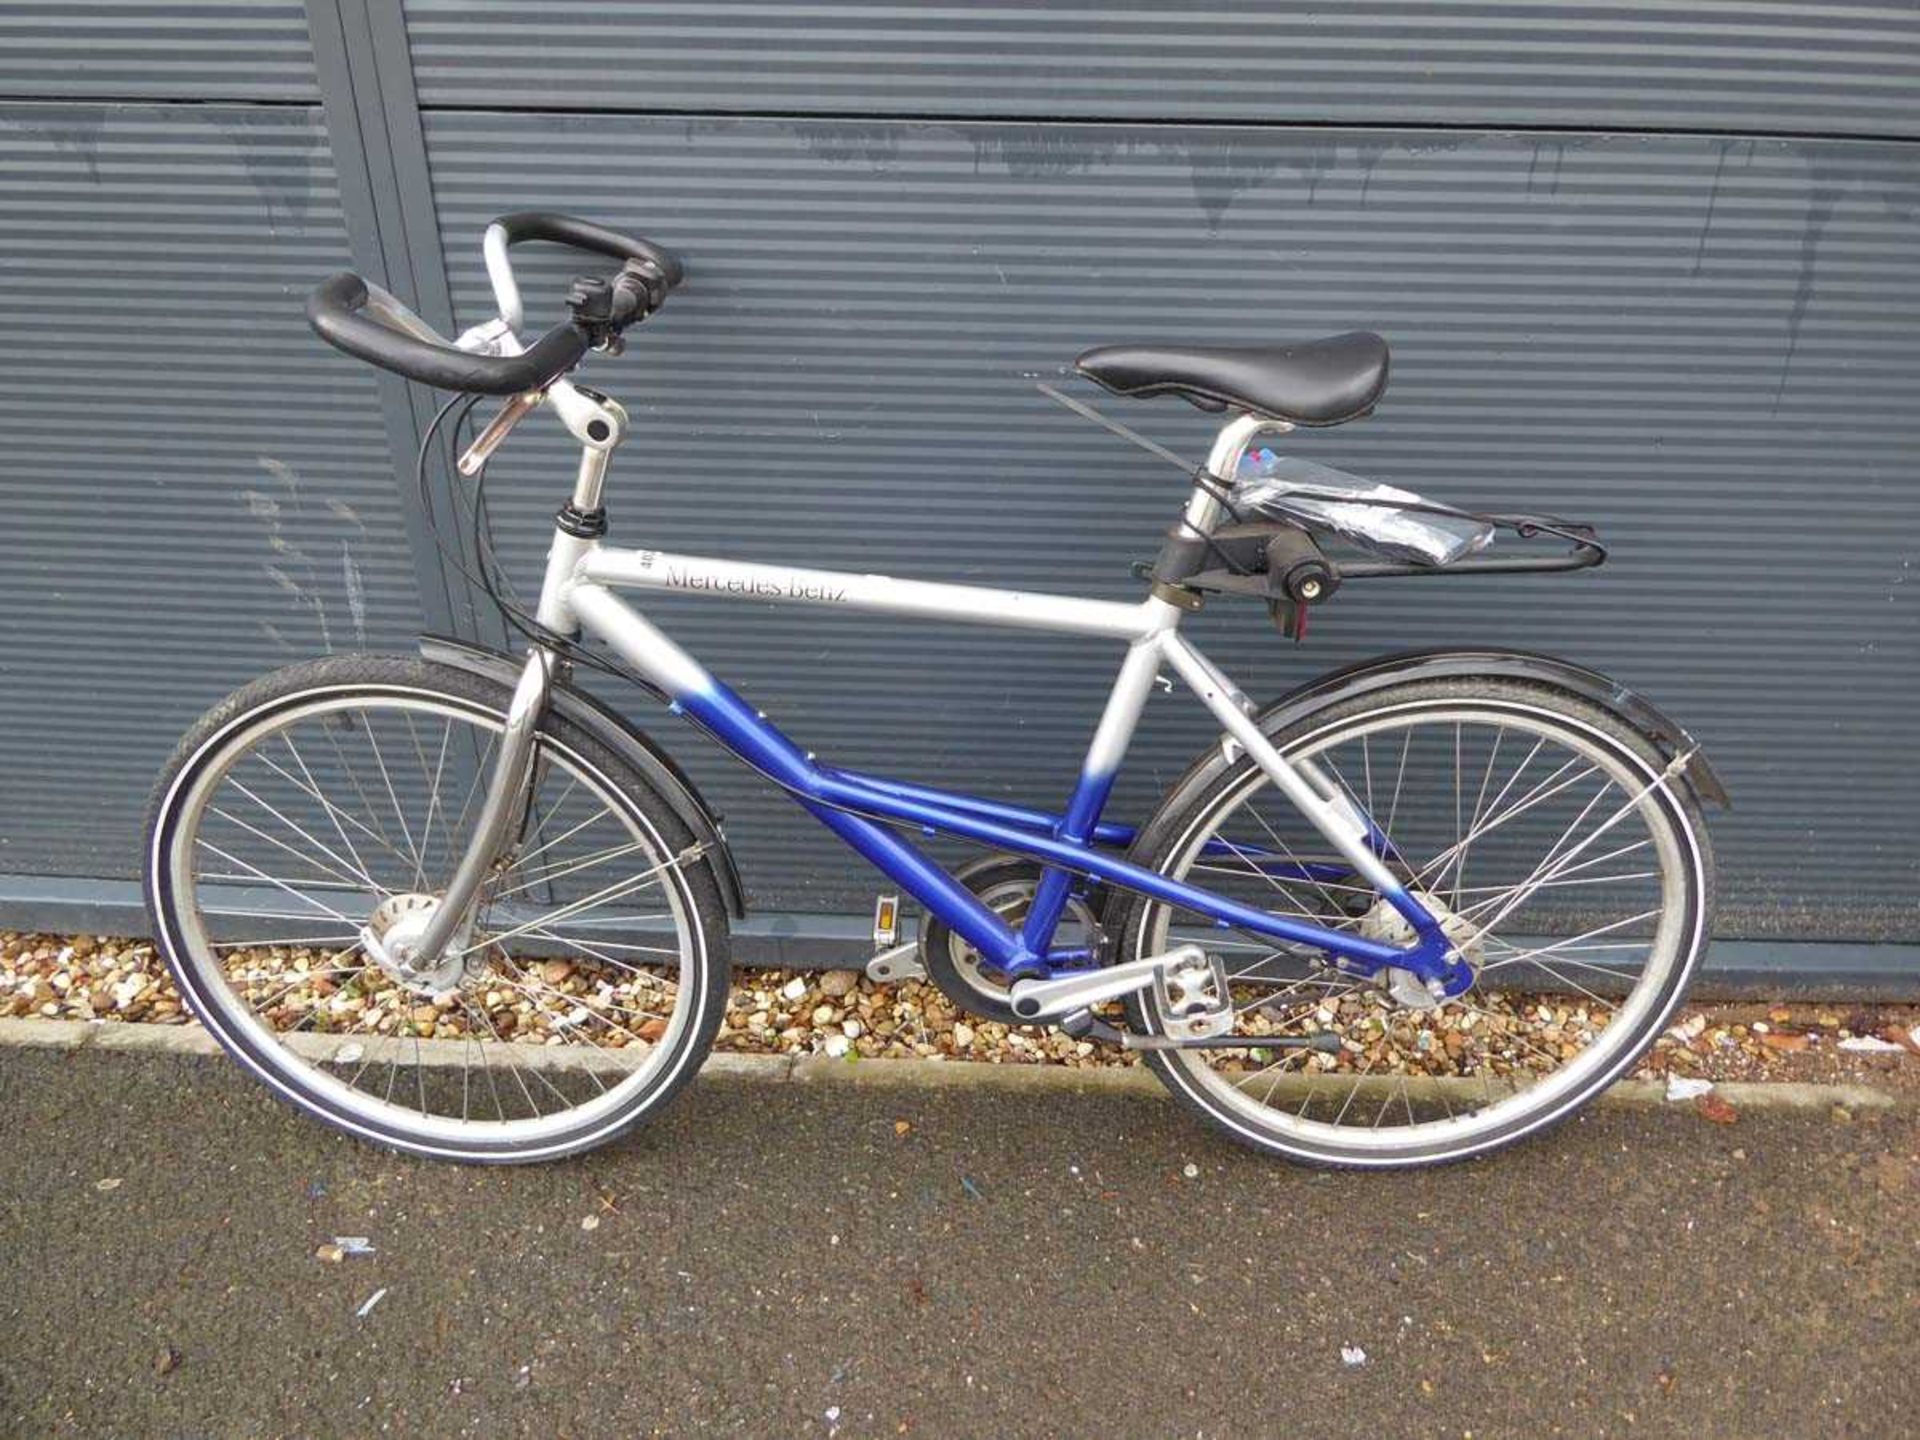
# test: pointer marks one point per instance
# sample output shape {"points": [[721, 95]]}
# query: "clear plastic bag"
{"points": [[1289, 488]]}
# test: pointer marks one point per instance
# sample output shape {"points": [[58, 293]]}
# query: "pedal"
{"points": [[1193, 998], [886, 921], [892, 961]]}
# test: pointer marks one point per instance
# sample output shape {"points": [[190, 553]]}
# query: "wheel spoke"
{"points": [[334, 812], [313, 788], [399, 813]]}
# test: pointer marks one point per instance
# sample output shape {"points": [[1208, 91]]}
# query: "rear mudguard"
{"points": [[1635, 710], [619, 735]]}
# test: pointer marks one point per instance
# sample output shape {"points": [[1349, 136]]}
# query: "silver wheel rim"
{"points": [[436, 726], [1242, 1106]]}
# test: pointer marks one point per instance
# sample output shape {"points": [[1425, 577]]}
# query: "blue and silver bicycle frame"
{"points": [[1074, 846]]}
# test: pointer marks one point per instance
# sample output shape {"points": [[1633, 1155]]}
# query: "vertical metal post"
{"points": [[386, 191]]}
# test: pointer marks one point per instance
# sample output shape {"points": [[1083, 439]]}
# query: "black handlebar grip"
{"points": [[336, 311], [585, 235]]}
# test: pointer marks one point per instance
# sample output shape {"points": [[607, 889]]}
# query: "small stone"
{"points": [[962, 1035], [556, 972], [1842, 1115], [794, 989], [589, 1222], [651, 1030], [838, 984], [837, 1045], [112, 1182], [1716, 1109], [330, 1254], [902, 1127], [1190, 1170], [825, 1014], [852, 1029]]}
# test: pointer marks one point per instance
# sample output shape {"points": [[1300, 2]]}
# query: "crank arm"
{"points": [[901, 962], [1042, 1000]]}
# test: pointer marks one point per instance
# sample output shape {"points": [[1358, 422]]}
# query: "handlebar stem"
{"points": [[599, 424]]}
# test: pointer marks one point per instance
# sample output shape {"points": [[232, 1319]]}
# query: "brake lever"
{"points": [[517, 408]]}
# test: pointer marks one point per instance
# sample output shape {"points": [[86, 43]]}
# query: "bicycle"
{"points": [[452, 904]]}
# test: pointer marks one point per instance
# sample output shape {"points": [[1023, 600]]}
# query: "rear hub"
{"points": [[1387, 926]]}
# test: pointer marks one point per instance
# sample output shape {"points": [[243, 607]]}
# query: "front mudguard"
{"points": [[1635, 710], [619, 735]]}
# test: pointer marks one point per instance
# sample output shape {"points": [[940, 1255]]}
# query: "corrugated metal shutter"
{"points": [[156, 50], [1704, 339], [1769, 67], [1707, 344], [194, 490]]}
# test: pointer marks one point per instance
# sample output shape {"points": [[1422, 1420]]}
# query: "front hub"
{"points": [[391, 937]]}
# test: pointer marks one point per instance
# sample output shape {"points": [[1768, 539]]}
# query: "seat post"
{"points": [[1223, 461]]}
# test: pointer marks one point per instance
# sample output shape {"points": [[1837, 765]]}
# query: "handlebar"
{"points": [[366, 322], [339, 310], [561, 230]]}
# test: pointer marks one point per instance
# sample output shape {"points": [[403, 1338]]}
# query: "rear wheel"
{"points": [[337, 795], [1538, 828]]}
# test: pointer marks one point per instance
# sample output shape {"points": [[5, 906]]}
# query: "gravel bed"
{"points": [[841, 1013]]}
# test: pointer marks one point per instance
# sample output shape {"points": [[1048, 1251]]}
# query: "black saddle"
{"points": [[1320, 382]]}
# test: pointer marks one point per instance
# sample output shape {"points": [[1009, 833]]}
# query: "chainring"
{"points": [[1005, 884]]}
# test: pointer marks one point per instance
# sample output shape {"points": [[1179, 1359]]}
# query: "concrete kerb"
{"points": [[191, 1040]]}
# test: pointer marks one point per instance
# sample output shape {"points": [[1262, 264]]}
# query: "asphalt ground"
{"points": [[784, 1259]]}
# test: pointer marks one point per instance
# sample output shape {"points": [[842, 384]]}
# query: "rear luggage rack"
{"points": [[1245, 550]]}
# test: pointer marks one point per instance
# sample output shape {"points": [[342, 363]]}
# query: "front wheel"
{"points": [[334, 796], [1540, 831]]}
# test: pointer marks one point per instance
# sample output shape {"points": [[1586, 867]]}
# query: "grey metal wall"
{"points": [[1708, 345], [1654, 263], [191, 490], [1766, 67]]}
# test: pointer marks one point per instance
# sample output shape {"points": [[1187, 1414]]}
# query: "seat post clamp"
{"points": [[1178, 595]]}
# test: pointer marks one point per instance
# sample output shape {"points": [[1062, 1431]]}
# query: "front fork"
{"points": [[451, 922], [599, 424]]}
